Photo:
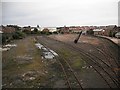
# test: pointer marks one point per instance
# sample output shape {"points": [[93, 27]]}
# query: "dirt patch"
{"points": [[30, 75], [71, 38], [60, 84], [23, 66], [23, 59]]}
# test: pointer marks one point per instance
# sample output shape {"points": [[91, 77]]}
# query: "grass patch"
{"points": [[9, 64], [65, 52], [77, 63], [11, 67]]}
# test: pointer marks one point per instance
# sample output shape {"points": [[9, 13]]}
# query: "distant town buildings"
{"points": [[99, 31], [7, 32], [110, 30]]}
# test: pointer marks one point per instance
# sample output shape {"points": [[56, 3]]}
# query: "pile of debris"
{"points": [[7, 47], [38, 45], [47, 53], [30, 75]]}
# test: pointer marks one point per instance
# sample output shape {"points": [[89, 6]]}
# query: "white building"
{"points": [[52, 29], [39, 28], [99, 31]]}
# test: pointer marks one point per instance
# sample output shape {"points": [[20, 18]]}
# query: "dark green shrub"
{"points": [[46, 33], [114, 34], [18, 35], [55, 32], [4, 38], [90, 32], [110, 34], [35, 30]]}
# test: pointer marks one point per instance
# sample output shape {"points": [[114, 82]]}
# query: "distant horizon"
{"points": [[60, 26]]}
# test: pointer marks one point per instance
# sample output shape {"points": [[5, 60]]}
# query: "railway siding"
{"points": [[48, 41]]}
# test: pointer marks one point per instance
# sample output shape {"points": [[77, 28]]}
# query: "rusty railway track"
{"points": [[106, 57], [66, 77], [86, 54], [90, 57], [116, 82], [110, 54], [65, 68], [72, 71]]}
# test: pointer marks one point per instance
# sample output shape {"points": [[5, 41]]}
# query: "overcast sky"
{"points": [[60, 12]]}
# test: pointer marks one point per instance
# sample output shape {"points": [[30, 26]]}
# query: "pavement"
{"points": [[115, 40]]}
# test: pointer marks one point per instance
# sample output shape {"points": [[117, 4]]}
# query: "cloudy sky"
{"points": [[59, 12]]}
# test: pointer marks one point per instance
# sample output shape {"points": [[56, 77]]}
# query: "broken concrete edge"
{"points": [[118, 45], [7, 47], [47, 52]]}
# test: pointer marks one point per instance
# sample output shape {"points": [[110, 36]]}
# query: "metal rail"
{"points": [[64, 70], [86, 54]]}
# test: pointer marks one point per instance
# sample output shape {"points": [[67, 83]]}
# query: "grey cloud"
{"points": [[60, 12]]}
